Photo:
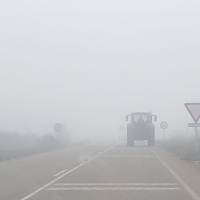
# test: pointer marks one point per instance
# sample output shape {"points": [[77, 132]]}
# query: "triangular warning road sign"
{"points": [[194, 110]]}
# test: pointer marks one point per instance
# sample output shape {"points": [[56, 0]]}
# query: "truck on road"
{"points": [[141, 128]]}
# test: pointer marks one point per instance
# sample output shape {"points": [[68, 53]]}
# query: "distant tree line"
{"points": [[14, 144]]}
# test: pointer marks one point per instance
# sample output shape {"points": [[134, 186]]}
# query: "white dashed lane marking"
{"points": [[113, 186], [59, 173], [63, 175]]}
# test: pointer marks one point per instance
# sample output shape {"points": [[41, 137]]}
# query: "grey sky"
{"points": [[88, 63]]}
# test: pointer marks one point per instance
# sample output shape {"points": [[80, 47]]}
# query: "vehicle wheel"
{"points": [[130, 141], [151, 139]]}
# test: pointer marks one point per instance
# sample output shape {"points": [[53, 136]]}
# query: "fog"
{"points": [[88, 63]]}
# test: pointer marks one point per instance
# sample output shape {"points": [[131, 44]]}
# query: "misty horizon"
{"points": [[87, 64]]}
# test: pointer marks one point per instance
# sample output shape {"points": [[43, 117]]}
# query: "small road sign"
{"points": [[194, 110], [163, 125], [194, 124], [58, 127]]}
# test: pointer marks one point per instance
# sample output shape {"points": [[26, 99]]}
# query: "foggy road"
{"points": [[100, 171], [85, 74]]}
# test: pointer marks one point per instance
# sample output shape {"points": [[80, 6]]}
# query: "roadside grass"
{"points": [[14, 145], [181, 145]]}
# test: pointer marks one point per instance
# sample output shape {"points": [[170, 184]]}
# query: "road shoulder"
{"points": [[188, 174]]}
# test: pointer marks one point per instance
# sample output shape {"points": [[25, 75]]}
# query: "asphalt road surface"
{"points": [[100, 171]]}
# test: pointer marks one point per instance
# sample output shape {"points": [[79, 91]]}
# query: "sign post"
{"points": [[121, 128], [197, 139], [164, 126], [194, 110]]}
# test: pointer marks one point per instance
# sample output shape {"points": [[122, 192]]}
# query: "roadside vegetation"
{"points": [[181, 145], [14, 144]]}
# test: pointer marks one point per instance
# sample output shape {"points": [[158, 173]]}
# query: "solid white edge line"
{"points": [[113, 188], [60, 172], [63, 175], [178, 178]]}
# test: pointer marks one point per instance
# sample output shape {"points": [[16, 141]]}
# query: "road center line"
{"points": [[60, 172], [178, 178], [63, 175]]}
